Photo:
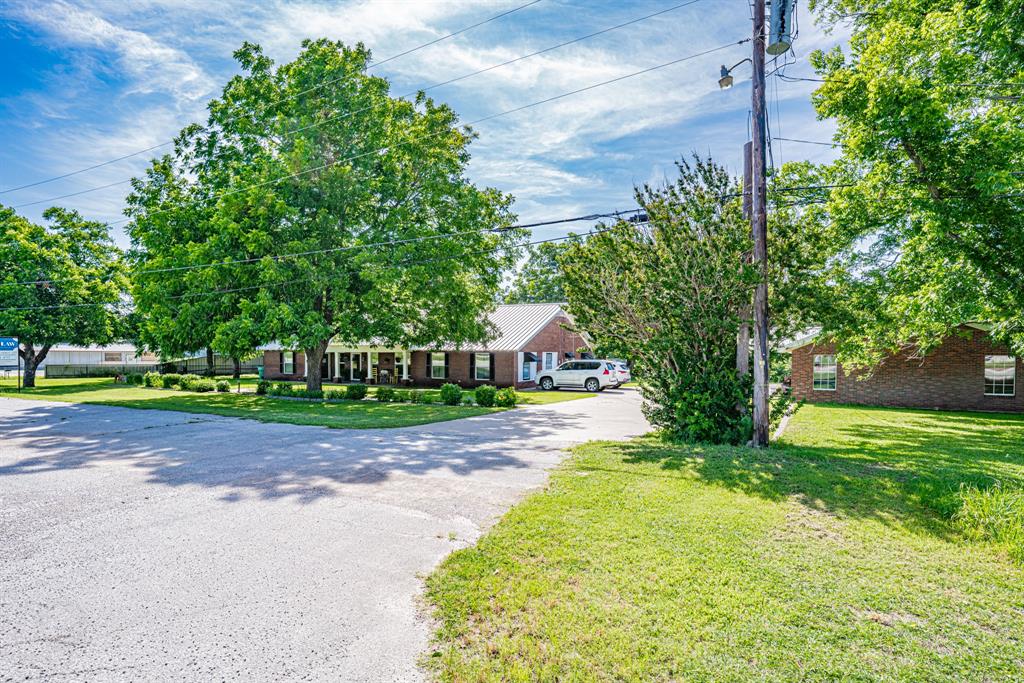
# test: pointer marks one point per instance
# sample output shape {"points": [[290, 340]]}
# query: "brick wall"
{"points": [[459, 369], [553, 337], [951, 377], [272, 366]]}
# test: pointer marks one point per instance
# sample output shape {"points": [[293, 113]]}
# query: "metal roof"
{"points": [[517, 324]]}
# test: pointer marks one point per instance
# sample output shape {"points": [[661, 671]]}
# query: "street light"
{"points": [[725, 82]]}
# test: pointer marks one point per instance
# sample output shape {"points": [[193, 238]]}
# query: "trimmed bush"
{"points": [[280, 389], [335, 394], [403, 396], [203, 385], [223, 386], [170, 379], [506, 398], [262, 387], [451, 394], [485, 395], [356, 392], [308, 393], [189, 382], [152, 379], [134, 378], [385, 394]]}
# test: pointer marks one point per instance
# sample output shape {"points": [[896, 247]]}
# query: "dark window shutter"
{"points": [[490, 373], [447, 365], [280, 361], [472, 367]]}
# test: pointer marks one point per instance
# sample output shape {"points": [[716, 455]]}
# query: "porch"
{"points": [[343, 365]]}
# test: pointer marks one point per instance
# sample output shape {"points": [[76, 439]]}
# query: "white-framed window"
{"points": [[287, 362], [824, 377], [526, 373], [549, 360], [437, 365], [482, 363], [1000, 373], [111, 357]]}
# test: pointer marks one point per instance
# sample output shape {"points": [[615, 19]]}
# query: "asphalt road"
{"points": [[153, 545]]}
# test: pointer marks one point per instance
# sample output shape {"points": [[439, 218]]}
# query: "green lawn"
{"points": [[831, 556], [343, 415]]}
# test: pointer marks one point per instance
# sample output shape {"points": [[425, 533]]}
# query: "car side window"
{"points": [[591, 366], [565, 366]]}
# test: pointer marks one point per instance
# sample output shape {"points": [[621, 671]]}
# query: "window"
{"points": [[526, 375], [288, 362], [824, 373], [438, 369], [999, 375], [109, 357], [482, 362], [549, 360]]}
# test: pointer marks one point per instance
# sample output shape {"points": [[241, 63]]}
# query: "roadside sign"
{"points": [[8, 350]]}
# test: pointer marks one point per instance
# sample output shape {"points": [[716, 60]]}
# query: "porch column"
{"points": [[405, 364]]}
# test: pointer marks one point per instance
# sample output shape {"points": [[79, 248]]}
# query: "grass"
{"points": [[836, 555], [344, 415]]}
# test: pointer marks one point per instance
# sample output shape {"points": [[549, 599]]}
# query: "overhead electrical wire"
{"points": [[369, 66], [416, 91]]}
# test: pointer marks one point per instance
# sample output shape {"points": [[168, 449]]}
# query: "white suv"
{"points": [[592, 375]]}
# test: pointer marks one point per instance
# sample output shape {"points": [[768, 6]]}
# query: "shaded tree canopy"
{"points": [[539, 279]]}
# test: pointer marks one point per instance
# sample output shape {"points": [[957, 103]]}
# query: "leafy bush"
{"points": [[403, 396], [779, 404], [134, 378], [307, 393], [451, 394], [202, 385], [385, 394], [152, 379], [995, 514], [506, 398], [485, 395], [170, 380], [188, 382], [336, 394], [262, 387], [223, 386], [356, 392], [280, 389]]}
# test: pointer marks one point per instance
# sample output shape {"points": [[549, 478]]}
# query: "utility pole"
{"points": [[743, 336], [759, 225]]}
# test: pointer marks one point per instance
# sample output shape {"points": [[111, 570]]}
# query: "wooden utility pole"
{"points": [[759, 225]]}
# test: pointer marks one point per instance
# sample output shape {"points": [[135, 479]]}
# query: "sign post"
{"points": [[9, 353]]}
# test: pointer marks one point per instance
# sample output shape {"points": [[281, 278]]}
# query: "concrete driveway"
{"points": [[144, 544]]}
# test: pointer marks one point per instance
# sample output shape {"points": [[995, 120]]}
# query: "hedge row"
{"points": [[182, 382], [449, 394]]}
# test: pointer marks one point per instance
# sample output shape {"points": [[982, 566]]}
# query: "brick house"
{"points": [[968, 371], [529, 338]]}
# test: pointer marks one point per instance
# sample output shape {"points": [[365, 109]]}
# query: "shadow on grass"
{"points": [[901, 468]]}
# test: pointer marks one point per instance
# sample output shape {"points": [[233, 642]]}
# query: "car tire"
{"points": [[547, 384], [592, 385]]}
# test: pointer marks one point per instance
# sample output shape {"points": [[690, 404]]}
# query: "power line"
{"points": [[313, 252], [307, 279], [412, 93], [810, 142], [369, 66], [490, 117]]}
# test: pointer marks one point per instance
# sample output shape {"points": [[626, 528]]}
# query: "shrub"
{"points": [[170, 379], [335, 394], [203, 385], [223, 386], [188, 382], [506, 398], [307, 393], [385, 394], [485, 395], [134, 378], [431, 396], [451, 394], [262, 387], [281, 389], [403, 396], [356, 392], [995, 514], [152, 379]]}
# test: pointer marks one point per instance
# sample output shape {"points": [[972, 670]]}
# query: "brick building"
{"points": [[529, 338], [968, 371]]}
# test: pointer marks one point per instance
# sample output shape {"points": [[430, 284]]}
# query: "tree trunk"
{"points": [[237, 371], [32, 361], [314, 369], [209, 362]]}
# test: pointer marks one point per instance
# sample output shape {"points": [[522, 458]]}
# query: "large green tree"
{"points": [[929, 104], [60, 283], [337, 211], [539, 278]]}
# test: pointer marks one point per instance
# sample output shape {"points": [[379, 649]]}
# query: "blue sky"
{"points": [[85, 82]]}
